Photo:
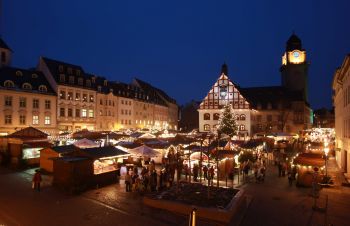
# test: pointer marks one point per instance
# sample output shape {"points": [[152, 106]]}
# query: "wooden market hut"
{"points": [[25, 145], [89, 167], [47, 154], [306, 164]]}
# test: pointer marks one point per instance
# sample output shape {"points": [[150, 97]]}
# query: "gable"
{"points": [[224, 92]]}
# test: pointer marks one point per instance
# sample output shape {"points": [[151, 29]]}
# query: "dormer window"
{"points": [[93, 79], [80, 81], [105, 82], [9, 84], [43, 88], [111, 90], [27, 86], [71, 79], [88, 83], [69, 70], [99, 88], [19, 73], [34, 75], [60, 69], [78, 72], [62, 78]]}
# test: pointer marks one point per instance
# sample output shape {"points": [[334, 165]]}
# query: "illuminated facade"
{"points": [[223, 93], [341, 103], [60, 97], [26, 97], [264, 109]]}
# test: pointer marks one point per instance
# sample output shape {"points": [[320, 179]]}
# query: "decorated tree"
{"points": [[227, 122], [227, 125]]}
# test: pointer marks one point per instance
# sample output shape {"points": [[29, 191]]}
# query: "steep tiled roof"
{"points": [[3, 45], [270, 95], [151, 89], [58, 67], [20, 76]]}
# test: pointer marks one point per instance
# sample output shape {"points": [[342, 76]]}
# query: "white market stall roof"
{"points": [[85, 143], [147, 136], [144, 151], [197, 156]]}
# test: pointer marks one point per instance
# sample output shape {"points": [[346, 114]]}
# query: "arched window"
{"points": [[242, 117], [206, 127], [26, 86], [19, 73], [9, 84], [237, 117], [34, 75], [42, 88], [206, 116], [216, 116], [242, 127]]}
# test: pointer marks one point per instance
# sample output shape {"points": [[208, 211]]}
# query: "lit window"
{"points": [[206, 127], [43, 88], [27, 86], [85, 97], [47, 120], [84, 113], [35, 119], [8, 101], [242, 117], [242, 127], [8, 119], [22, 119], [91, 98], [22, 102], [9, 84], [35, 103], [91, 113]]}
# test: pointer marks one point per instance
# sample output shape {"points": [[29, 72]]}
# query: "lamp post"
{"points": [[326, 150]]}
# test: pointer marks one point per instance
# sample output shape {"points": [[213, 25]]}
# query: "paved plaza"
{"points": [[273, 202]]}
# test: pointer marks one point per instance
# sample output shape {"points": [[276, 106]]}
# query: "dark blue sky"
{"points": [[179, 46]]}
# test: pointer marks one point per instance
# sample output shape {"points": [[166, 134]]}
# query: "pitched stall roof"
{"points": [[21, 76], [65, 149], [103, 152], [27, 133]]}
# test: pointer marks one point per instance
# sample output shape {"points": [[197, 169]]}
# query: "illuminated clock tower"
{"points": [[294, 67]]}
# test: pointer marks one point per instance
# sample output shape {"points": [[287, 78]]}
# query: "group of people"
{"points": [[208, 172]]}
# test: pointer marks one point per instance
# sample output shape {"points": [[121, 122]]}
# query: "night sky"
{"points": [[179, 46]]}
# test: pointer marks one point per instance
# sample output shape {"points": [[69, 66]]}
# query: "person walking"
{"points": [[128, 182], [205, 172], [37, 180], [195, 172], [211, 175], [290, 178]]}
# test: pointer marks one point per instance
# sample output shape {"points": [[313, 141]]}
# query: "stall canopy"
{"points": [[309, 159], [197, 156], [144, 151], [147, 136], [85, 143], [103, 152]]}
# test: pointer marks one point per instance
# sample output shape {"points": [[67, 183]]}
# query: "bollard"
{"points": [[192, 221]]}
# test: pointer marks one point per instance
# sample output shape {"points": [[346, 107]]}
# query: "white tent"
{"points": [[85, 143], [144, 151], [147, 136]]}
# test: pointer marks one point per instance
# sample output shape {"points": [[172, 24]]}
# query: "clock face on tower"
{"points": [[296, 54]]}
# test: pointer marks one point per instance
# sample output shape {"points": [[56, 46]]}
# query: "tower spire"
{"points": [[224, 69]]}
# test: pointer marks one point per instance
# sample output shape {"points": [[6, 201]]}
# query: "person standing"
{"points": [[37, 179], [205, 172], [211, 175], [128, 182]]}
